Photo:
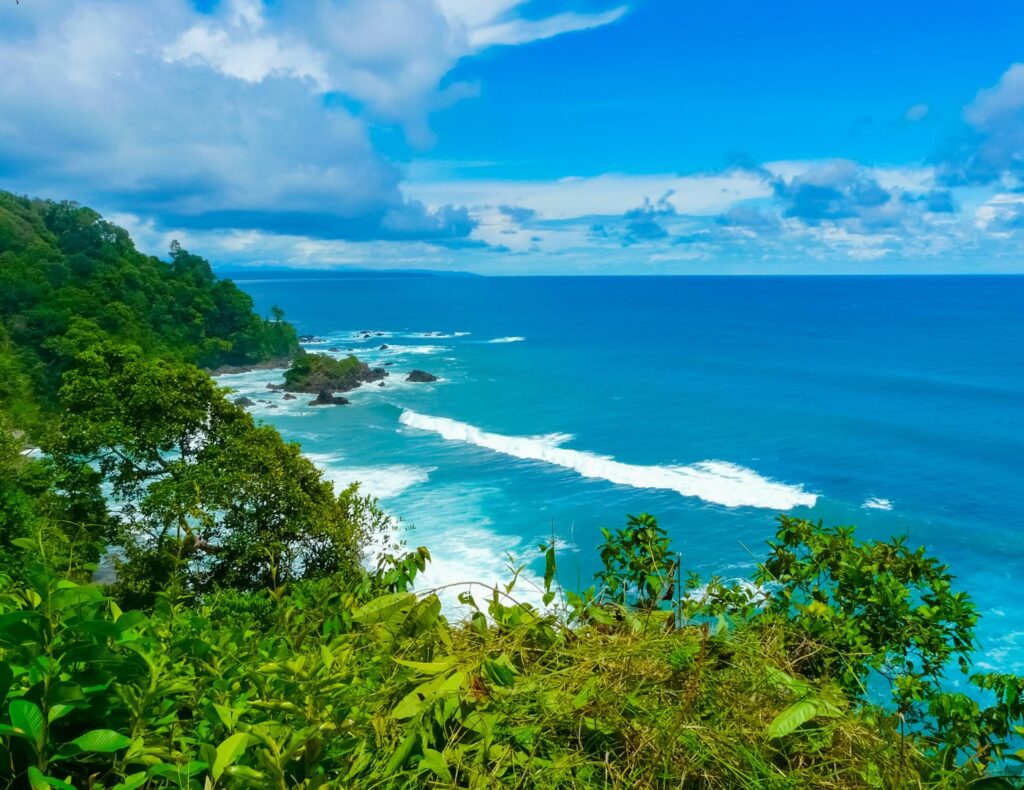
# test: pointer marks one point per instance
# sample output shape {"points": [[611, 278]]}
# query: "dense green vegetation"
{"points": [[69, 279], [251, 639], [317, 372]]}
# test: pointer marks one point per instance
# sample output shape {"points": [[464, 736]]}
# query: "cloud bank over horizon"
{"points": [[300, 134]]}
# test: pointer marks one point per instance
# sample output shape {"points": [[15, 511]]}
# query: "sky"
{"points": [[530, 136]]}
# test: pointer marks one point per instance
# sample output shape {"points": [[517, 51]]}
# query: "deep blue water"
{"points": [[893, 403]]}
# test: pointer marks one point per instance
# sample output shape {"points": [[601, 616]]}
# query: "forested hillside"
{"points": [[69, 279]]}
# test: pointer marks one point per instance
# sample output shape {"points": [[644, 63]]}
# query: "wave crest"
{"points": [[719, 482]]}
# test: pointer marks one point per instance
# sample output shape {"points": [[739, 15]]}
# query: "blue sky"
{"points": [[519, 136]]}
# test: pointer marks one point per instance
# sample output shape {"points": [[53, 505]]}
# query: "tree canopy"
{"points": [[70, 279]]}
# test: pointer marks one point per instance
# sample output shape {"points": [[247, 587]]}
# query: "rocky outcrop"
{"points": [[383, 347], [328, 398], [244, 402], [421, 376], [318, 372], [288, 396]]}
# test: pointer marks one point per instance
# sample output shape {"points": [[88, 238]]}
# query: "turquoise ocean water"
{"points": [[892, 403]]}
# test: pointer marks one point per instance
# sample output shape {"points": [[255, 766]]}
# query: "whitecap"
{"points": [[876, 503], [718, 482], [510, 339], [384, 482]]}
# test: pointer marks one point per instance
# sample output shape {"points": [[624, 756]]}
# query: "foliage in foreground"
{"points": [[359, 682]]}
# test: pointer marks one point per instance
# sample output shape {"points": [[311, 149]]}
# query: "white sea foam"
{"points": [[510, 339], [435, 335], [422, 349], [384, 482], [718, 482], [875, 503], [469, 553]]}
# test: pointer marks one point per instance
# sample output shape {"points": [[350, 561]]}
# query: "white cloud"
{"points": [[254, 116], [917, 112], [523, 31], [608, 194]]}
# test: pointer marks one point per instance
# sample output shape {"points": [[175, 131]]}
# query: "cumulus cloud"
{"points": [[253, 116], [995, 151]]}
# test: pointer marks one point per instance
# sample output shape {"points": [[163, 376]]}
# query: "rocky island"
{"points": [[325, 375]]}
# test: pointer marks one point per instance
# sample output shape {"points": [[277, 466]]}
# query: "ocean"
{"points": [[565, 403]]}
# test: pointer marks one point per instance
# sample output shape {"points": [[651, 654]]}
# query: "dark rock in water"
{"points": [[367, 334], [421, 376], [288, 396], [271, 406], [334, 348], [381, 384], [350, 349], [308, 339], [328, 398], [380, 334], [264, 401], [375, 374], [244, 402], [383, 347], [273, 386], [388, 364]]}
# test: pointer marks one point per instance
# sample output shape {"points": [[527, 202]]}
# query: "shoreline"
{"points": [[270, 364]]}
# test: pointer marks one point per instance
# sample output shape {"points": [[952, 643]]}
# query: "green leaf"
{"points": [[800, 712], [102, 741], [38, 781], [380, 609], [426, 694], [230, 750], [27, 717], [434, 761], [131, 782], [431, 668], [397, 760], [245, 772], [500, 670]]}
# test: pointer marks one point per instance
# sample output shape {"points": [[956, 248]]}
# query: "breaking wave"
{"points": [[718, 482]]}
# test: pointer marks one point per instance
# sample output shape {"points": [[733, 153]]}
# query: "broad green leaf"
{"points": [[397, 760], [427, 668], [788, 719], [131, 782], [500, 670], [58, 711], [426, 694], [27, 717], [788, 681], [426, 614], [39, 781], [102, 741], [230, 750], [434, 761], [380, 609]]}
